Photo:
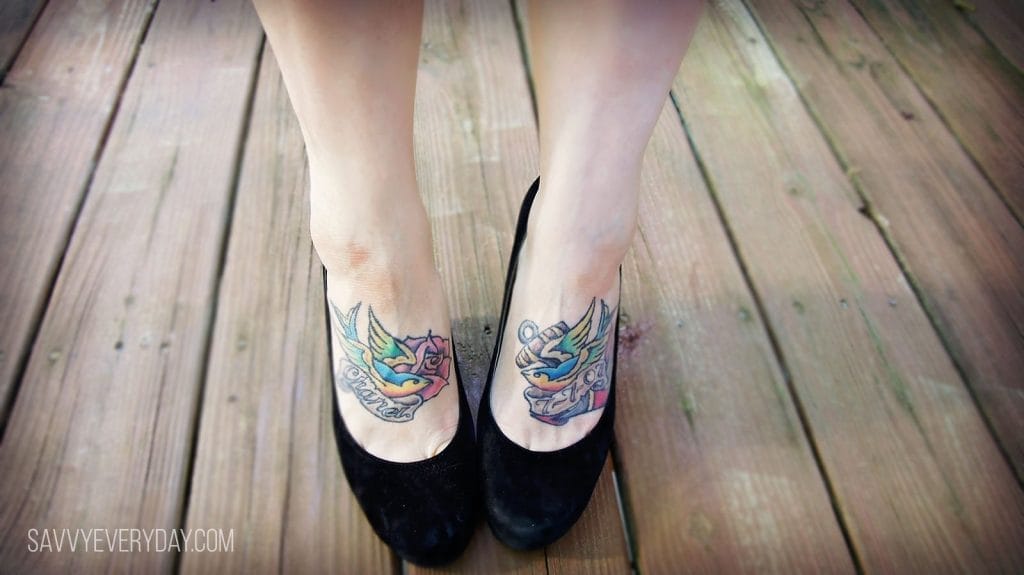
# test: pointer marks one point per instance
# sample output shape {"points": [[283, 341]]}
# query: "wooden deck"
{"points": [[822, 357]]}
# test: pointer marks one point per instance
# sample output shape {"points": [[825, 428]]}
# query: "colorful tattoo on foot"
{"points": [[390, 377], [567, 368]]}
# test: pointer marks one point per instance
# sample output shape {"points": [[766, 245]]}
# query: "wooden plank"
{"points": [[16, 20], [1002, 23], [266, 462], [101, 434], [692, 508], [487, 552], [943, 53], [596, 545], [961, 246], [719, 475], [55, 106], [476, 152], [920, 482]]}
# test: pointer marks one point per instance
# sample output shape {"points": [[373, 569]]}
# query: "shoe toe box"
{"points": [[534, 498], [425, 513], [426, 538], [537, 521]]}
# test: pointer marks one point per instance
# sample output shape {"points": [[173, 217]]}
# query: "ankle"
{"points": [[574, 268], [359, 223], [582, 243], [390, 271], [366, 198]]}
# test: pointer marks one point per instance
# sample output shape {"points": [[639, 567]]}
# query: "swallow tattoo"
{"points": [[566, 368], [391, 377]]}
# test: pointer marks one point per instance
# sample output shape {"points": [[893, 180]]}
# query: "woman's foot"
{"points": [[393, 368], [555, 363]]}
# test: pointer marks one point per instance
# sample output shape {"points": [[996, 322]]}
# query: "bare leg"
{"points": [[602, 72], [350, 71]]}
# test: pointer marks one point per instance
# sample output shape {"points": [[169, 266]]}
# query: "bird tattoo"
{"points": [[390, 376], [566, 367]]}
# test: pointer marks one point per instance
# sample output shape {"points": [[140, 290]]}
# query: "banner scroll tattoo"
{"points": [[390, 377], [567, 368]]}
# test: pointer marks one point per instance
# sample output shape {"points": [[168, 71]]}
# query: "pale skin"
{"points": [[601, 69]]}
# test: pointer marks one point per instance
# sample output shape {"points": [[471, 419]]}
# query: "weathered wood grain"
{"points": [[1002, 23], [976, 91], [918, 479], [486, 554], [961, 246], [101, 433], [689, 513], [719, 474], [476, 156], [16, 20], [266, 463], [596, 545], [55, 106]]}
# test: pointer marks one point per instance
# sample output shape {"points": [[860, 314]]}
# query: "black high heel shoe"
{"points": [[532, 498], [425, 510]]}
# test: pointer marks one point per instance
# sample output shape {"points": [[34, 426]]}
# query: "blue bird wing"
{"points": [[397, 379], [386, 348], [357, 353], [573, 341], [596, 347], [559, 371]]}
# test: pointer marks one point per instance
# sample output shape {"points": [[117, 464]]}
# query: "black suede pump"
{"points": [[425, 510], [532, 498]]}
